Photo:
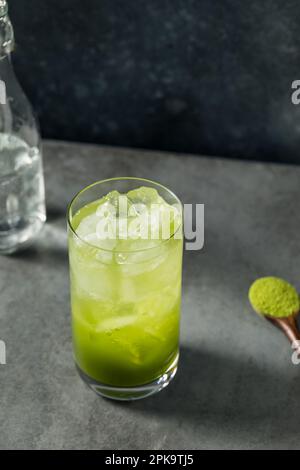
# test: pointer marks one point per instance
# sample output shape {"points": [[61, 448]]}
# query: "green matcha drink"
{"points": [[125, 250]]}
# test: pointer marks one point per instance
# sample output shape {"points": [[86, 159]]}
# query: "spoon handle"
{"points": [[288, 326]]}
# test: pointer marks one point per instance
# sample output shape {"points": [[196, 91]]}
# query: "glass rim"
{"points": [[122, 178]]}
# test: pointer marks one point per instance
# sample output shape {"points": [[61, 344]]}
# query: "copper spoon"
{"points": [[288, 325]]}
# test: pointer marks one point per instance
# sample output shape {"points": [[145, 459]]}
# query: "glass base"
{"points": [[131, 393]]}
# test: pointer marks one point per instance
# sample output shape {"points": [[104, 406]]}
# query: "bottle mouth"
{"points": [[3, 7]]}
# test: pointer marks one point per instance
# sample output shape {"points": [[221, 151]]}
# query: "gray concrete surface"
{"points": [[236, 386]]}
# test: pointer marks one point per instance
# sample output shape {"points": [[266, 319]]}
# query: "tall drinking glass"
{"points": [[125, 290]]}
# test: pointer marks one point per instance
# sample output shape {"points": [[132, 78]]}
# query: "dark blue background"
{"points": [[196, 76]]}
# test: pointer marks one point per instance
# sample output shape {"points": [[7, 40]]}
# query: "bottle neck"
{"points": [[3, 7], [6, 31]]}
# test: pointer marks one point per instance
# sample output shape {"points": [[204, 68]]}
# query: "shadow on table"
{"points": [[218, 389]]}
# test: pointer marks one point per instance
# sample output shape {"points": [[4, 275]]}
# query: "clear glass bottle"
{"points": [[22, 194]]}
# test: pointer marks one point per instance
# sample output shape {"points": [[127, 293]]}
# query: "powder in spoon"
{"points": [[274, 297]]}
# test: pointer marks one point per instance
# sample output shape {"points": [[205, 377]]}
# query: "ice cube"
{"points": [[161, 218], [97, 232], [87, 226], [113, 205], [138, 226], [116, 323], [123, 224], [145, 195]]}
